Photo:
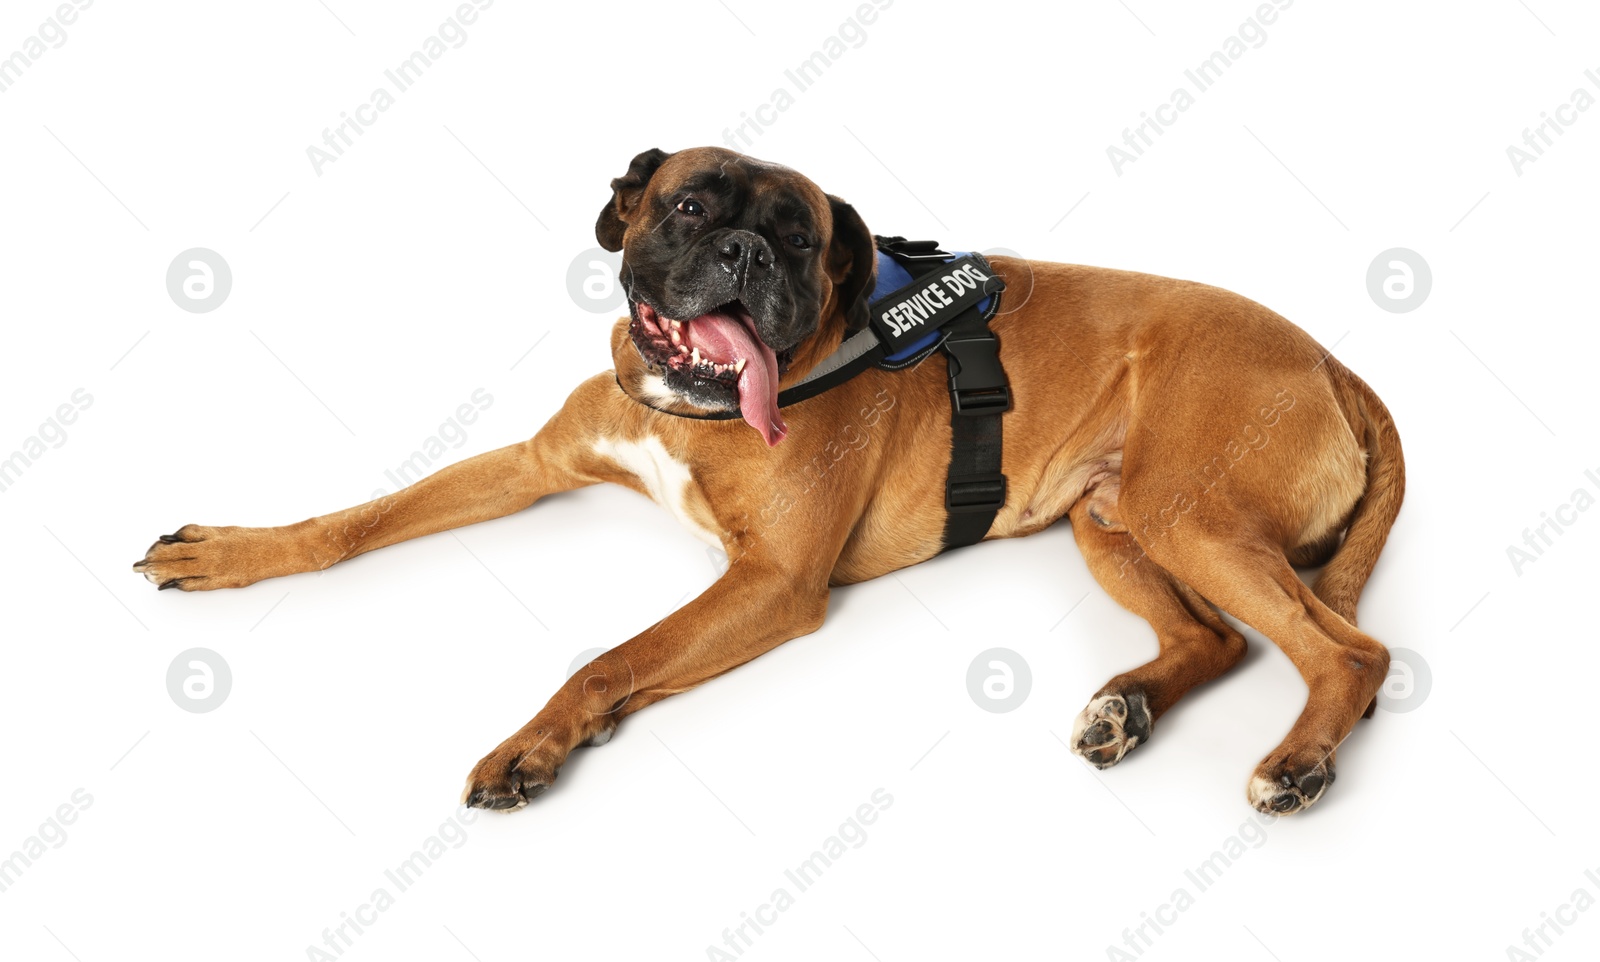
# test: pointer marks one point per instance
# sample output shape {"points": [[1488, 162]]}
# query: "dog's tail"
{"points": [[1340, 583]]}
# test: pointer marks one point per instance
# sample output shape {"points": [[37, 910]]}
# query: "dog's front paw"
{"points": [[201, 558], [1110, 727], [1287, 783], [193, 558], [513, 775]]}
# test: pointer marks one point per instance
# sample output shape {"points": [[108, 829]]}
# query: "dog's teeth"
{"points": [[676, 337], [739, 367], [683, 349], [694, 358]]}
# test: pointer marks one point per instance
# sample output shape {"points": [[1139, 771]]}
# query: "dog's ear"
{"points": [[625, 194], [852, 263]]}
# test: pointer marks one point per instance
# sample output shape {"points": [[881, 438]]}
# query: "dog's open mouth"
{"points": [[716, 357]]}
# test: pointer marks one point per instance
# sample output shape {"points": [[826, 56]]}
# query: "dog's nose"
{"points": [[739, 249]]}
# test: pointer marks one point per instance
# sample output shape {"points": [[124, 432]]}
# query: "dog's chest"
{"points": [[665, 478]]}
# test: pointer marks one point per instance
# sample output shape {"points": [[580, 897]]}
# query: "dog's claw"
{"points": [[481, 799], [171, 539], [169, 583]]}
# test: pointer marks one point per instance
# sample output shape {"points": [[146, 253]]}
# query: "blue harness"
{"points": [[892, 277]]}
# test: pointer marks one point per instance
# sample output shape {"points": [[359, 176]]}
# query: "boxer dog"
{"points": [[1201, 446]]}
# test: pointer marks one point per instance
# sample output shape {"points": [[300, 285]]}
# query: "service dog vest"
{"points": [[926, 299]]}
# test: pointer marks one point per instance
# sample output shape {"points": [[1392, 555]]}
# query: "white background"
{"points": [[372, 300]]}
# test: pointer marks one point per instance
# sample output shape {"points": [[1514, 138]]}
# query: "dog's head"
{"points": [[735, 269]]}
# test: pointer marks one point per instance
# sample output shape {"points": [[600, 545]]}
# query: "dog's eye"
{"points": [[799, 241], [691, 207]]}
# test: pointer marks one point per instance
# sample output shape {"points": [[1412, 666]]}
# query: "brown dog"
{"points": [[1200, 444]]}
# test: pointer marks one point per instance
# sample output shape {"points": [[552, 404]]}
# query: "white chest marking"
{"points": [[665, 478], [654, 388]]}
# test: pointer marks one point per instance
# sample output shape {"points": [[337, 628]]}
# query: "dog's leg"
{"points": [[751, 609], [492, 485], [1251, 579], [1236, 479], [1196, 644]]}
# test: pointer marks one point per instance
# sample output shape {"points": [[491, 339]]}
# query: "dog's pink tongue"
{"points": [[729, 339]]}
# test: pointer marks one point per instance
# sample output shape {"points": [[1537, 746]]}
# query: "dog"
{"points": [[1201, 446]]}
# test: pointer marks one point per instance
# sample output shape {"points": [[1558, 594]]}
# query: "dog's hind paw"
{"points": [[525, 765], [1282, 786], [1110, 727], [500, 787], [511, 776]]}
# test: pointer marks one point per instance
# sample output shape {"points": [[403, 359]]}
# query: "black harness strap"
{"points": [[974, 490]]}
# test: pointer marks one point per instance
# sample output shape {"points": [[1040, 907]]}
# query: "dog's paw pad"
{"points": [[1288, 786], [1110, 727]]}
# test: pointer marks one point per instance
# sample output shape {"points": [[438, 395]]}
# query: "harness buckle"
{"points": [[978, 384], [914, 251], [973, 493]]}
